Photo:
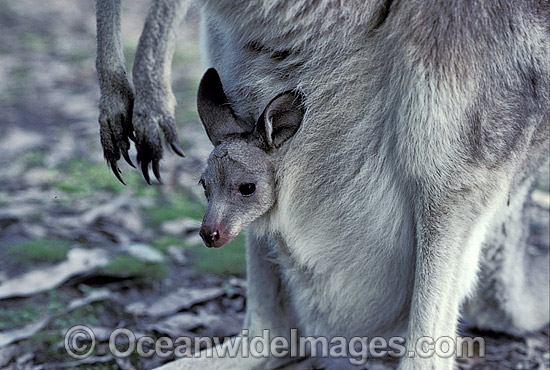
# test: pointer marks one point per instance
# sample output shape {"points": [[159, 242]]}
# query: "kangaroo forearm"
{"points": [[110, 58], [156, 45]]}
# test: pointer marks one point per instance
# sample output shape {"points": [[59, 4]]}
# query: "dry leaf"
{"points": [[79, 262], [182, 299]]}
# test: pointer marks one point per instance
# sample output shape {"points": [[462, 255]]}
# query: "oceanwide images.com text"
{"points": [[80, 343]]}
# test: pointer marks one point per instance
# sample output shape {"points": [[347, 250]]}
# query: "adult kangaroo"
{"points": [[424, 124]]}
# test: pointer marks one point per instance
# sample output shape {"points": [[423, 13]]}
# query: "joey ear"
{"points": [[214, 109], [281, 118]]}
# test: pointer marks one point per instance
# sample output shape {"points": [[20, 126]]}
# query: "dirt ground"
{"points": [[78, 248]]}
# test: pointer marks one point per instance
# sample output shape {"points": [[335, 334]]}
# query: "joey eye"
{"points": [[247, 190]]}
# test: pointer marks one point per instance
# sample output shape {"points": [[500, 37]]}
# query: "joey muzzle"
{"points": [[215, 235]]}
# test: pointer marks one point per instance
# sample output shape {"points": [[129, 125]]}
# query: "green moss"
{"points": [[31, 310], [40, 250], [46, 342], [33, 159], [38, 41], [78, 57], [47, 339], [21, 73], [81, 176], [88, 315], [229, 260], [177, 206], [11, 319], [84, 177], [163, 243], [130, 266], [134, 180], [46, 345], [57, 302]]}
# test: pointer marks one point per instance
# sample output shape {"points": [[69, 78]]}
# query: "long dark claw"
{"points": [[156, 171], [117, 172], [145, 170], [129, 127], [127, 158], [175, 147]]}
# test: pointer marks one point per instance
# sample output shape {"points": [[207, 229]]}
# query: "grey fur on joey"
{"points": [[239, 181]]}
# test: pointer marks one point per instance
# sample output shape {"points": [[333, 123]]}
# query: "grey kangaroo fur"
{"points": [[424, 124]]}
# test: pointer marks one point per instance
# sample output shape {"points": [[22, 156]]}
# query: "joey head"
{"points": [[239, 181]]}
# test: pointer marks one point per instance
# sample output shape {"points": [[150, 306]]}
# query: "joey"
{"points": [[239, 181]]}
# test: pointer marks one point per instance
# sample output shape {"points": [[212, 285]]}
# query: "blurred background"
{"points": [[79, 248], [76, 246]]}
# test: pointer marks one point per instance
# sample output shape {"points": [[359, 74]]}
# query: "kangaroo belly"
{"points": [[344, 211], [349, 259]]}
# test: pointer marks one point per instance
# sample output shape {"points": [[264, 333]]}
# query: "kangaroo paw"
{"points": [[148, 123], [115, 123]]}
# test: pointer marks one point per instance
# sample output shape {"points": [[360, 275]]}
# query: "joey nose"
{"points": [[214, 235], [209, 236]]}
